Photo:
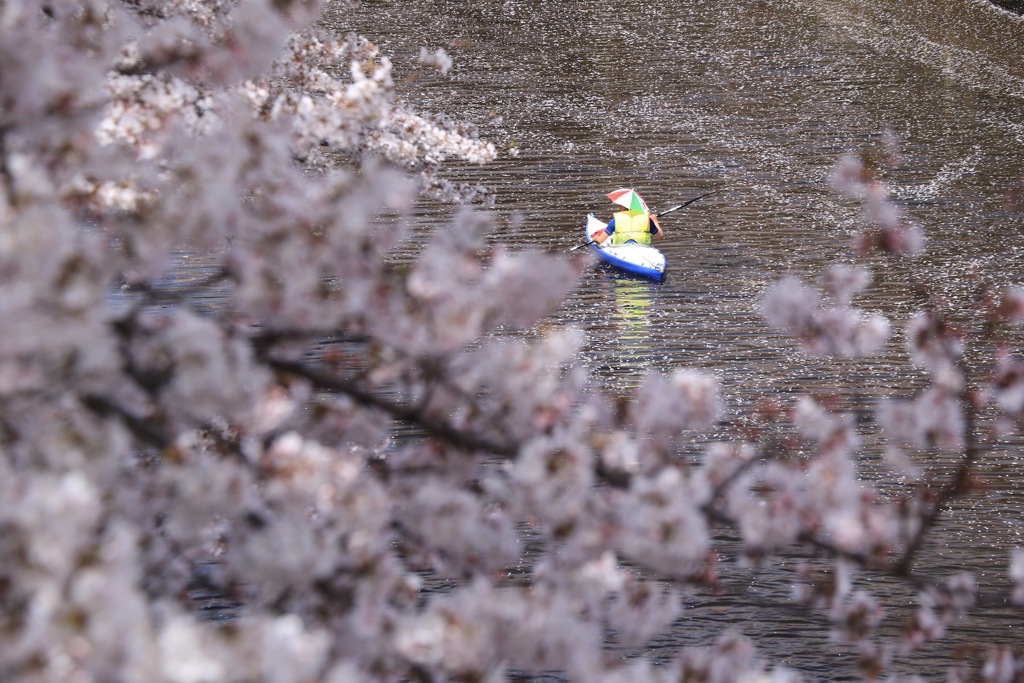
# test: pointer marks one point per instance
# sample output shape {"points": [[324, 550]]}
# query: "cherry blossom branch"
{"points": [[404, 413], [153, 295], [146, 431], [959, 483], [5, 170]]}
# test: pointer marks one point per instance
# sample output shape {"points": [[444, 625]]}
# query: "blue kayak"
{"points": [[641, 259]]}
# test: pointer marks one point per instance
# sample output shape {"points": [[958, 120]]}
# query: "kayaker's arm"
{"points": [[658, 234], [604, 233]]}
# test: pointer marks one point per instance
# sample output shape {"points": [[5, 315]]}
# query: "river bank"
{"points": [[1012, 5]]}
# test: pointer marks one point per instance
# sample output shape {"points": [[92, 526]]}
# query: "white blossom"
{"points": [[795, 308], [661, 525], [933, 419], [438, 59], [1017, 574]]}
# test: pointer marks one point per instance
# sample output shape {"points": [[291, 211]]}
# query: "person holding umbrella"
{"points": [[635, 224]]}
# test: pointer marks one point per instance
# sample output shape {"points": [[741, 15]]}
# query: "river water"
{"points": [[756, 99]]}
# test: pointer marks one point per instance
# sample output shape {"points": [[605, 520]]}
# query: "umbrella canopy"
{"points": [[628, 198]]}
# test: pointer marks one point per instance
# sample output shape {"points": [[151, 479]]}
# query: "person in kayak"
{"points": [[626, 226]]}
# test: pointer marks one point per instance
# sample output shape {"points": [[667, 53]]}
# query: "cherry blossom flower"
{"points": [[793, 307]]}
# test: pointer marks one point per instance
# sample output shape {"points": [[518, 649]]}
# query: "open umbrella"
{"points": [[628, 198]]}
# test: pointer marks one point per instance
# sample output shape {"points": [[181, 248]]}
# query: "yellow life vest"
{"points": [[631, 225]]}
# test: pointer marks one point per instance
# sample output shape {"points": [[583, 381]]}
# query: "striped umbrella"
{"points": [[628, 198]]}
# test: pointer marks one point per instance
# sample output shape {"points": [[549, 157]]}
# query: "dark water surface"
{"points": [[756, 99]]}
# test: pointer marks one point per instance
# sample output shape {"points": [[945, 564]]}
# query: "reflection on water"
{"points": [[631, 349], [756, 99], [632, 310]]}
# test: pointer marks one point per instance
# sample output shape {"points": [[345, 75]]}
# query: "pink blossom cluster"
{"points": [[839, 330], [946, 414], [385, 463], [887, 230]]}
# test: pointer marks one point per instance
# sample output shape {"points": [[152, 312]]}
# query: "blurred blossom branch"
{"points": [[241, 432]]}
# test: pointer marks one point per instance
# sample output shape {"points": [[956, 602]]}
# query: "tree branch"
{"points": [[399, 411], [959, 483]]}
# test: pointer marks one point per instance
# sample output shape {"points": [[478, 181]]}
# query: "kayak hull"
{"points": [[639, 259]]}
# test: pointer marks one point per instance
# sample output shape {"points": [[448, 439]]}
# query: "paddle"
{"points": [[659, 214], [687, 203]]}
